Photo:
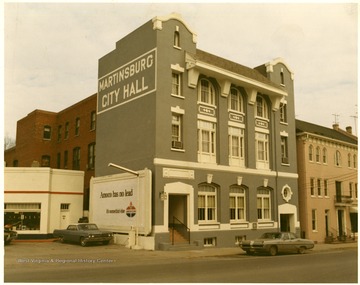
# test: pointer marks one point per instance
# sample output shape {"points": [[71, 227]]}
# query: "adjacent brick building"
{"points": [[63, 140]]}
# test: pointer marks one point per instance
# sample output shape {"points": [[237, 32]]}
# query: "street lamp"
{"points": [[136, 246]]}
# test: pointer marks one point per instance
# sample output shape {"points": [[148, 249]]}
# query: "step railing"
{"points": [[181, 228]]}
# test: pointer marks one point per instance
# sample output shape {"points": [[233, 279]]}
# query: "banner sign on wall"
{"points": [[130, 81], [121, 202]]}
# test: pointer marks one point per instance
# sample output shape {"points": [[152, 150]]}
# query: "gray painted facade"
{"points": [[225, 158]]}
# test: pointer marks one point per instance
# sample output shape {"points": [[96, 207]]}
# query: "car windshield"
{"points": [[271, 236], [88, 227]]}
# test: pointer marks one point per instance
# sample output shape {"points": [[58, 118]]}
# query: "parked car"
{"points": [[275, 242], [9, 235], [83, 233]]}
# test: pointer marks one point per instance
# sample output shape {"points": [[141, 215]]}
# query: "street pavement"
{"points": [[207, 251]]}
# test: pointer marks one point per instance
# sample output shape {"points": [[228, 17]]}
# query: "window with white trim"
{"points": [[207, 203], [237, 204], [314, 219], [47, 133], [206, 92], [176, 84], [262, 150], [324, 155], [312, 186], [22, 216], [176, 131], [283, 112], [236, 102], [206, 141], [263, 204], [261, 108], [319, 187], [326, 191], [311, 152], [317, 154], [236, 146], [284, 150], [337, 158]]}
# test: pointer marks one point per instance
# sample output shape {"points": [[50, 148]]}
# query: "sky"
{"points": [[52, 50]]}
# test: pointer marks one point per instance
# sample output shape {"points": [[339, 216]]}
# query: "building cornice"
{"points": [[308, 135]]}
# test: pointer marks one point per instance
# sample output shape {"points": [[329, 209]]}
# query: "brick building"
{"points": [[63, 140], [327, 163]]}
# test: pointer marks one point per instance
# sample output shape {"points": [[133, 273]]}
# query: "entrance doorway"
{"points": [[177, 208], [341, 223], [285, 222]]}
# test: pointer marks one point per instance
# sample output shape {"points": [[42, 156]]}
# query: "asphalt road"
{"points": [[55, 262]]}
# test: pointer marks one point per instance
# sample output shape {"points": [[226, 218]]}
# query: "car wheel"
{"points": [[301, 250], [273, 251], [82, 241]]}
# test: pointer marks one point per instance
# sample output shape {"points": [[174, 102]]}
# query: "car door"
{"points": [[287, 243]]}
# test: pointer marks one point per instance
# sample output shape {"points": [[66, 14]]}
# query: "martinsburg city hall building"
{"points": [[218, 137]]}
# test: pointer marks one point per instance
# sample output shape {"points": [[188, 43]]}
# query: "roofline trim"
{"points": [[304, 133], [158, 20], [269, 65]]}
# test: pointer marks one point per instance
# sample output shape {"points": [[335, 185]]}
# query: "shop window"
{"points": [[22, 216]]}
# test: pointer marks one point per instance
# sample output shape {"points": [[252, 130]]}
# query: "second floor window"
{"points": [[236, 146], [262, 150], [76, 158], [207, 141], [337, 158], [206, 92]]}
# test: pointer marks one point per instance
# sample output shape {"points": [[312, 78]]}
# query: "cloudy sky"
{"points": [[52, 50]]}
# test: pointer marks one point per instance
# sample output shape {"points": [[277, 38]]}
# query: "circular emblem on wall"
{"points": [[130, 210], [286, 193]]}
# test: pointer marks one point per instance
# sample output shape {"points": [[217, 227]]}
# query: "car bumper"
{"points": [[98, 239]]}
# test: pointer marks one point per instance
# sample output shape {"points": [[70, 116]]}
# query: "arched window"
{"points": [[337, 158], [237, 203], [207, 202], [311, 152], [261, 108], [206, 92], [317, 155], [236, 102], [324, 155]]}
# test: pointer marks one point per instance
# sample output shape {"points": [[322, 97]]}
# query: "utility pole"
{"points": [[355, 119]]}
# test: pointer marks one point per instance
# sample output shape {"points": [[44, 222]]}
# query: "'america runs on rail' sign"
{"points": [[130, 81]]}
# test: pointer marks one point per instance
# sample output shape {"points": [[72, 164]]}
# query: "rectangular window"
{"points": [[45, 161], [64, 207], [209, 242], [351, 190], [91, 156], [77, 126], [47, 133], [283, 113], [319, 187], [93, 121], [262, 150], [176, 131], [206, 141], [284, 150], [236, 146], [66, 157], [312, 186], [66, 135], [59, 133], [58, 161], [175, 85], [314, 219], [326, 191], [76, 158]]}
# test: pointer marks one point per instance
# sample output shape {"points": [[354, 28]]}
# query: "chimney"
{"points": [[349, 129], [336, 126]]}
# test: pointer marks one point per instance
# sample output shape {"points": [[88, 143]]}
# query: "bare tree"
{"points": [[9, 142]]}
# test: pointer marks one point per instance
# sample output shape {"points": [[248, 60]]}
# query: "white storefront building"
{"points": [[37, 200]]}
